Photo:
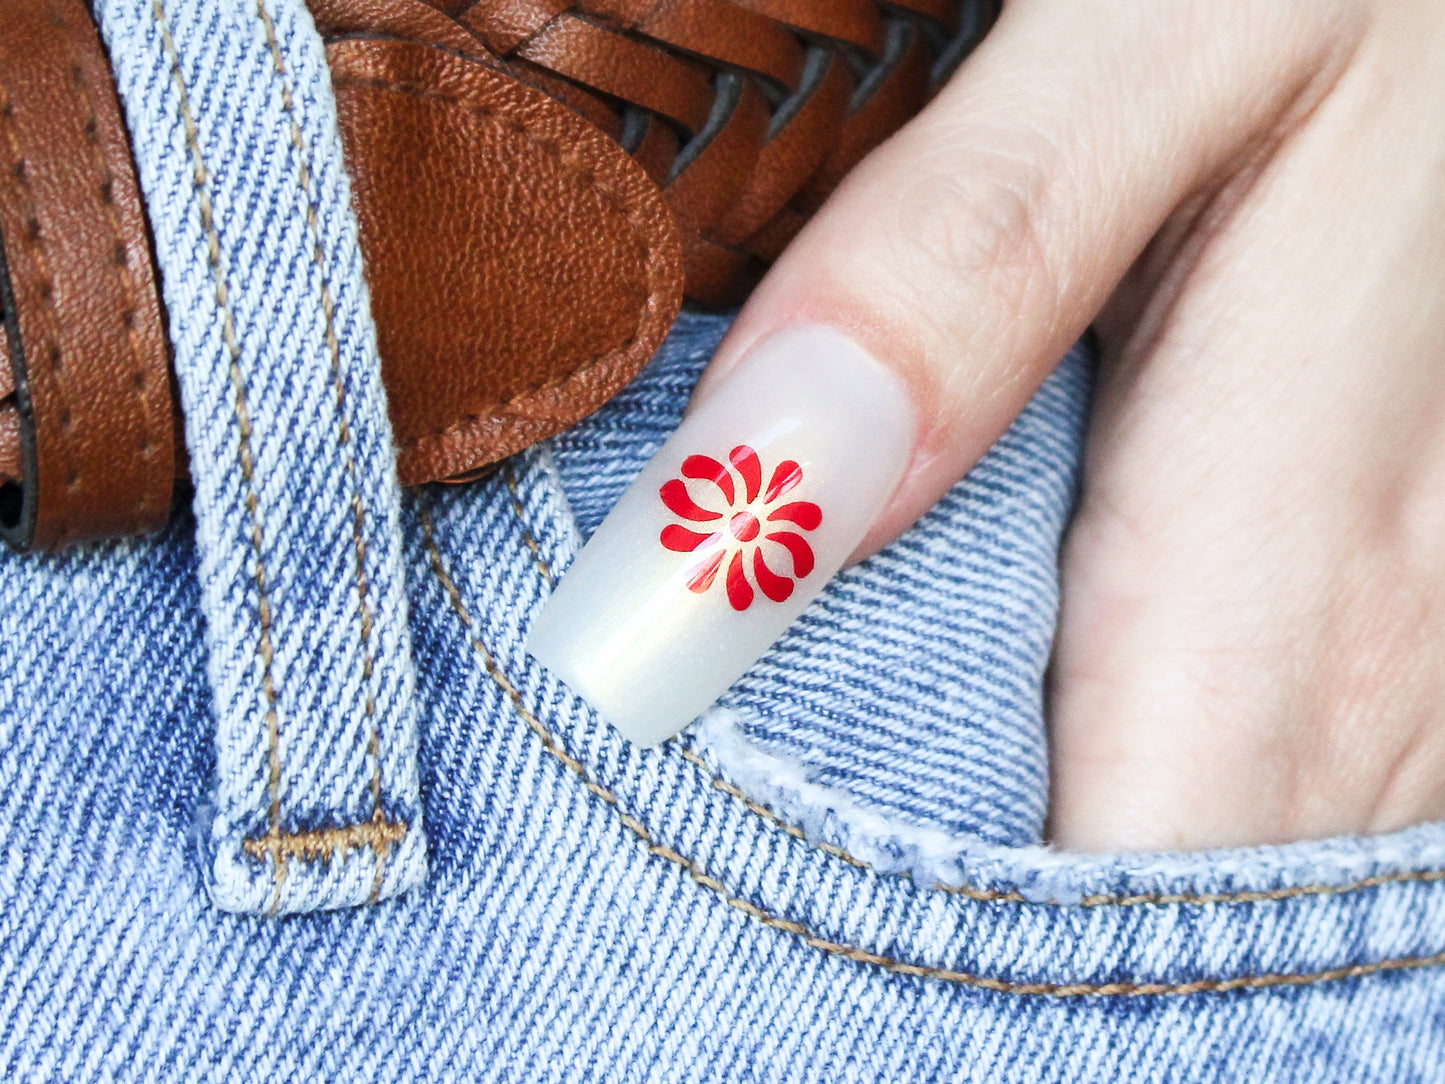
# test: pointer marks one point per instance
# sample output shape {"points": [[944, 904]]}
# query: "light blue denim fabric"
{"points": [[947, 741], [316, 799], [599, 912], [772, 898]]}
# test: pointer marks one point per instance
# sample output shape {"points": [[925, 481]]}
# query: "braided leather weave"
{"points": [[745, 112]]}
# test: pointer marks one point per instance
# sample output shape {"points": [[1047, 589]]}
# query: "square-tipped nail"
{"points": [[729, 532]]}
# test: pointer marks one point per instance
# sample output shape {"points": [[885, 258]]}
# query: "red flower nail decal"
{"points": [[743, 525]]}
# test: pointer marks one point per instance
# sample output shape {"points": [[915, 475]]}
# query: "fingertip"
{"points": [[736, 524]]}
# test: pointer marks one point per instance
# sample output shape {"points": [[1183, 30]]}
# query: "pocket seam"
{"points": [[996, 895], [982, 895], [699, 874]]}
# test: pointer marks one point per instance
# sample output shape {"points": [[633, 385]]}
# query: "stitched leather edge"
{"points": [[83, 294], [699, 874], [508, 425]]}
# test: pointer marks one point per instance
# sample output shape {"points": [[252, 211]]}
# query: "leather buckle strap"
{"points": [[522, 267], [86, 423]]}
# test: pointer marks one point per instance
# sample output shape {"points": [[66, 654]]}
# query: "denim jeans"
{"points": [[247, 840]]}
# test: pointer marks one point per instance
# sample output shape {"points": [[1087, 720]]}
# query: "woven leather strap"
{"points": [[537, 184], [745, 112]]}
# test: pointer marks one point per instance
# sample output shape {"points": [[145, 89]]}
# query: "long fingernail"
{"points": [[732, 529]]}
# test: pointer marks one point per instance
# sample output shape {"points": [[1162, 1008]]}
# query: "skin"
{"points": [[1247, 200]]}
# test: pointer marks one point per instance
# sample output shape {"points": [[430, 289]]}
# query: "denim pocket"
{"points": [[873, 790], [597, 912], [911, 690], [840, 945]]}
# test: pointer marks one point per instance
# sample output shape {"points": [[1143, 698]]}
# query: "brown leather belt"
{"points": [[627, 151], [87, 431]]}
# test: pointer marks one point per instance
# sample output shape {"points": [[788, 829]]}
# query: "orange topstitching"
{"points": [[996, 895], [702, 877], [381, 841], [264, 647]]}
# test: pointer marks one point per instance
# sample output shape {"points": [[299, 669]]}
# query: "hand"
{"points": [[1249, 201]]}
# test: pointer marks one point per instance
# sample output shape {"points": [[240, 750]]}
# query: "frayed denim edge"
{"points": [[1042, 874]]}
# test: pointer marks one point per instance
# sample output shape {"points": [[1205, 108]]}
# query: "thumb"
{"points": [[898, 337]]}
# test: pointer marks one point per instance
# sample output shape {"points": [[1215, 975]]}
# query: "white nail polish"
{"points": [[732, 529]]}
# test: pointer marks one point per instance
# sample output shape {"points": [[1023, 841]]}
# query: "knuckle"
{"points": [[979, 227], [973, 243]]}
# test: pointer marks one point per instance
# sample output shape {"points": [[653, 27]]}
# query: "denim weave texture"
{"points": [[836, 875], [595, 912], [316, 800], [933, 743]]}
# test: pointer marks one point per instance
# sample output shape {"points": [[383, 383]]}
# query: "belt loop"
{"points": [[316, 801]]}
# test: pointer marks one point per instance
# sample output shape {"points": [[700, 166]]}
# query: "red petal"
{"points": [[740, 592], [704, 572], [805, 514], [746, 461], [681, 540], [786, 477], [798, 546], [675, 496], [776, 587], [707, 469]]}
